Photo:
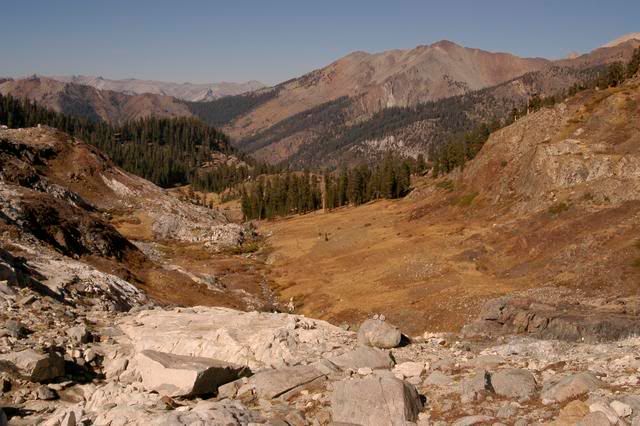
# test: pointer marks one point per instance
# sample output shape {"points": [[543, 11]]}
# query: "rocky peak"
{"points": [[623, 39]]}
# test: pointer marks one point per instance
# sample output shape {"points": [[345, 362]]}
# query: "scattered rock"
{"points": [[379, 334], [375, 400]]}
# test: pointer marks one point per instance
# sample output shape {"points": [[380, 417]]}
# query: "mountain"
{"points": [[356, 108], [365, 104], [184, 91], [86, 101], [623, 39], [394, 78]]}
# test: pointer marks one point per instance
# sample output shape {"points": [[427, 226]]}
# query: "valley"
{"points": [[439, 235]]}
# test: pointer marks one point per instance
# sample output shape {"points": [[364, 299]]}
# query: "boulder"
{"points": [[573, 412], [569, 387], [364, 357], [479, 382], [621, 409], [438, 378], [604, 408], [115, 366], [16, 329], [36, 366], [45, 394], [594, 419], [269, 384], [3, 418], [514, 383], [179, 375], [473, 420], [375, 400], [79, 334], [409, 369], [379, 334]]}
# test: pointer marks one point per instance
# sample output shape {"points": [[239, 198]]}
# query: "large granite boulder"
{"points": [[569, 387], [179, 375], [514, 383], [35, 366], [256, 339], [375, 400], [379, 334]]}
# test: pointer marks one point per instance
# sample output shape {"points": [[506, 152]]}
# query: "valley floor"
{"points": [[345, 265]]}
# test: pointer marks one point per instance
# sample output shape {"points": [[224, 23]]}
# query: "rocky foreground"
{"points": [[69, 357]]}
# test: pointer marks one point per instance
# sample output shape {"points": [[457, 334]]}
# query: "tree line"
{"points": [[289, 193]]}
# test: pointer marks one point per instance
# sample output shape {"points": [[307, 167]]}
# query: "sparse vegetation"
{"points": [[446, 184], [467, 199], [558, 208]]}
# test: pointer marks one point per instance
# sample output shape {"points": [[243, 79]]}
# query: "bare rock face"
{"points": [[179, 375], [35, 366], [375, 400], [379, 334]]}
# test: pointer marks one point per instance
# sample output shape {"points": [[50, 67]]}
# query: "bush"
{"points": [[558, 208], [446, 185], [466, 200]]}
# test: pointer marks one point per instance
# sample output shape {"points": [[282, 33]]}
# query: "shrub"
{"points": [[559, 208]]}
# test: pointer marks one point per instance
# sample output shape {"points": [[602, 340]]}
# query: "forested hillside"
{"points": [[294, 193], [222, 111], [165, 151]]}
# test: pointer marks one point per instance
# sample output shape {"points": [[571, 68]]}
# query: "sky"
{"points": [[272, 40]]}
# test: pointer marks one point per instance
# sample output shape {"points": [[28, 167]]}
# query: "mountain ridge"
{"points": [[193, 92]]}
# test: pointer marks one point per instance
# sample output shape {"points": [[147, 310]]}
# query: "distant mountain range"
{"points": [[185, 91], [351, 110]]}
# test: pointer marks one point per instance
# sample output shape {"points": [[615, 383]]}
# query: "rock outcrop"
{"points": [[613, 320]]}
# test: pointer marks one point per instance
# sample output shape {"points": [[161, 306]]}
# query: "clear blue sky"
{"points": [[271, 40]]}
